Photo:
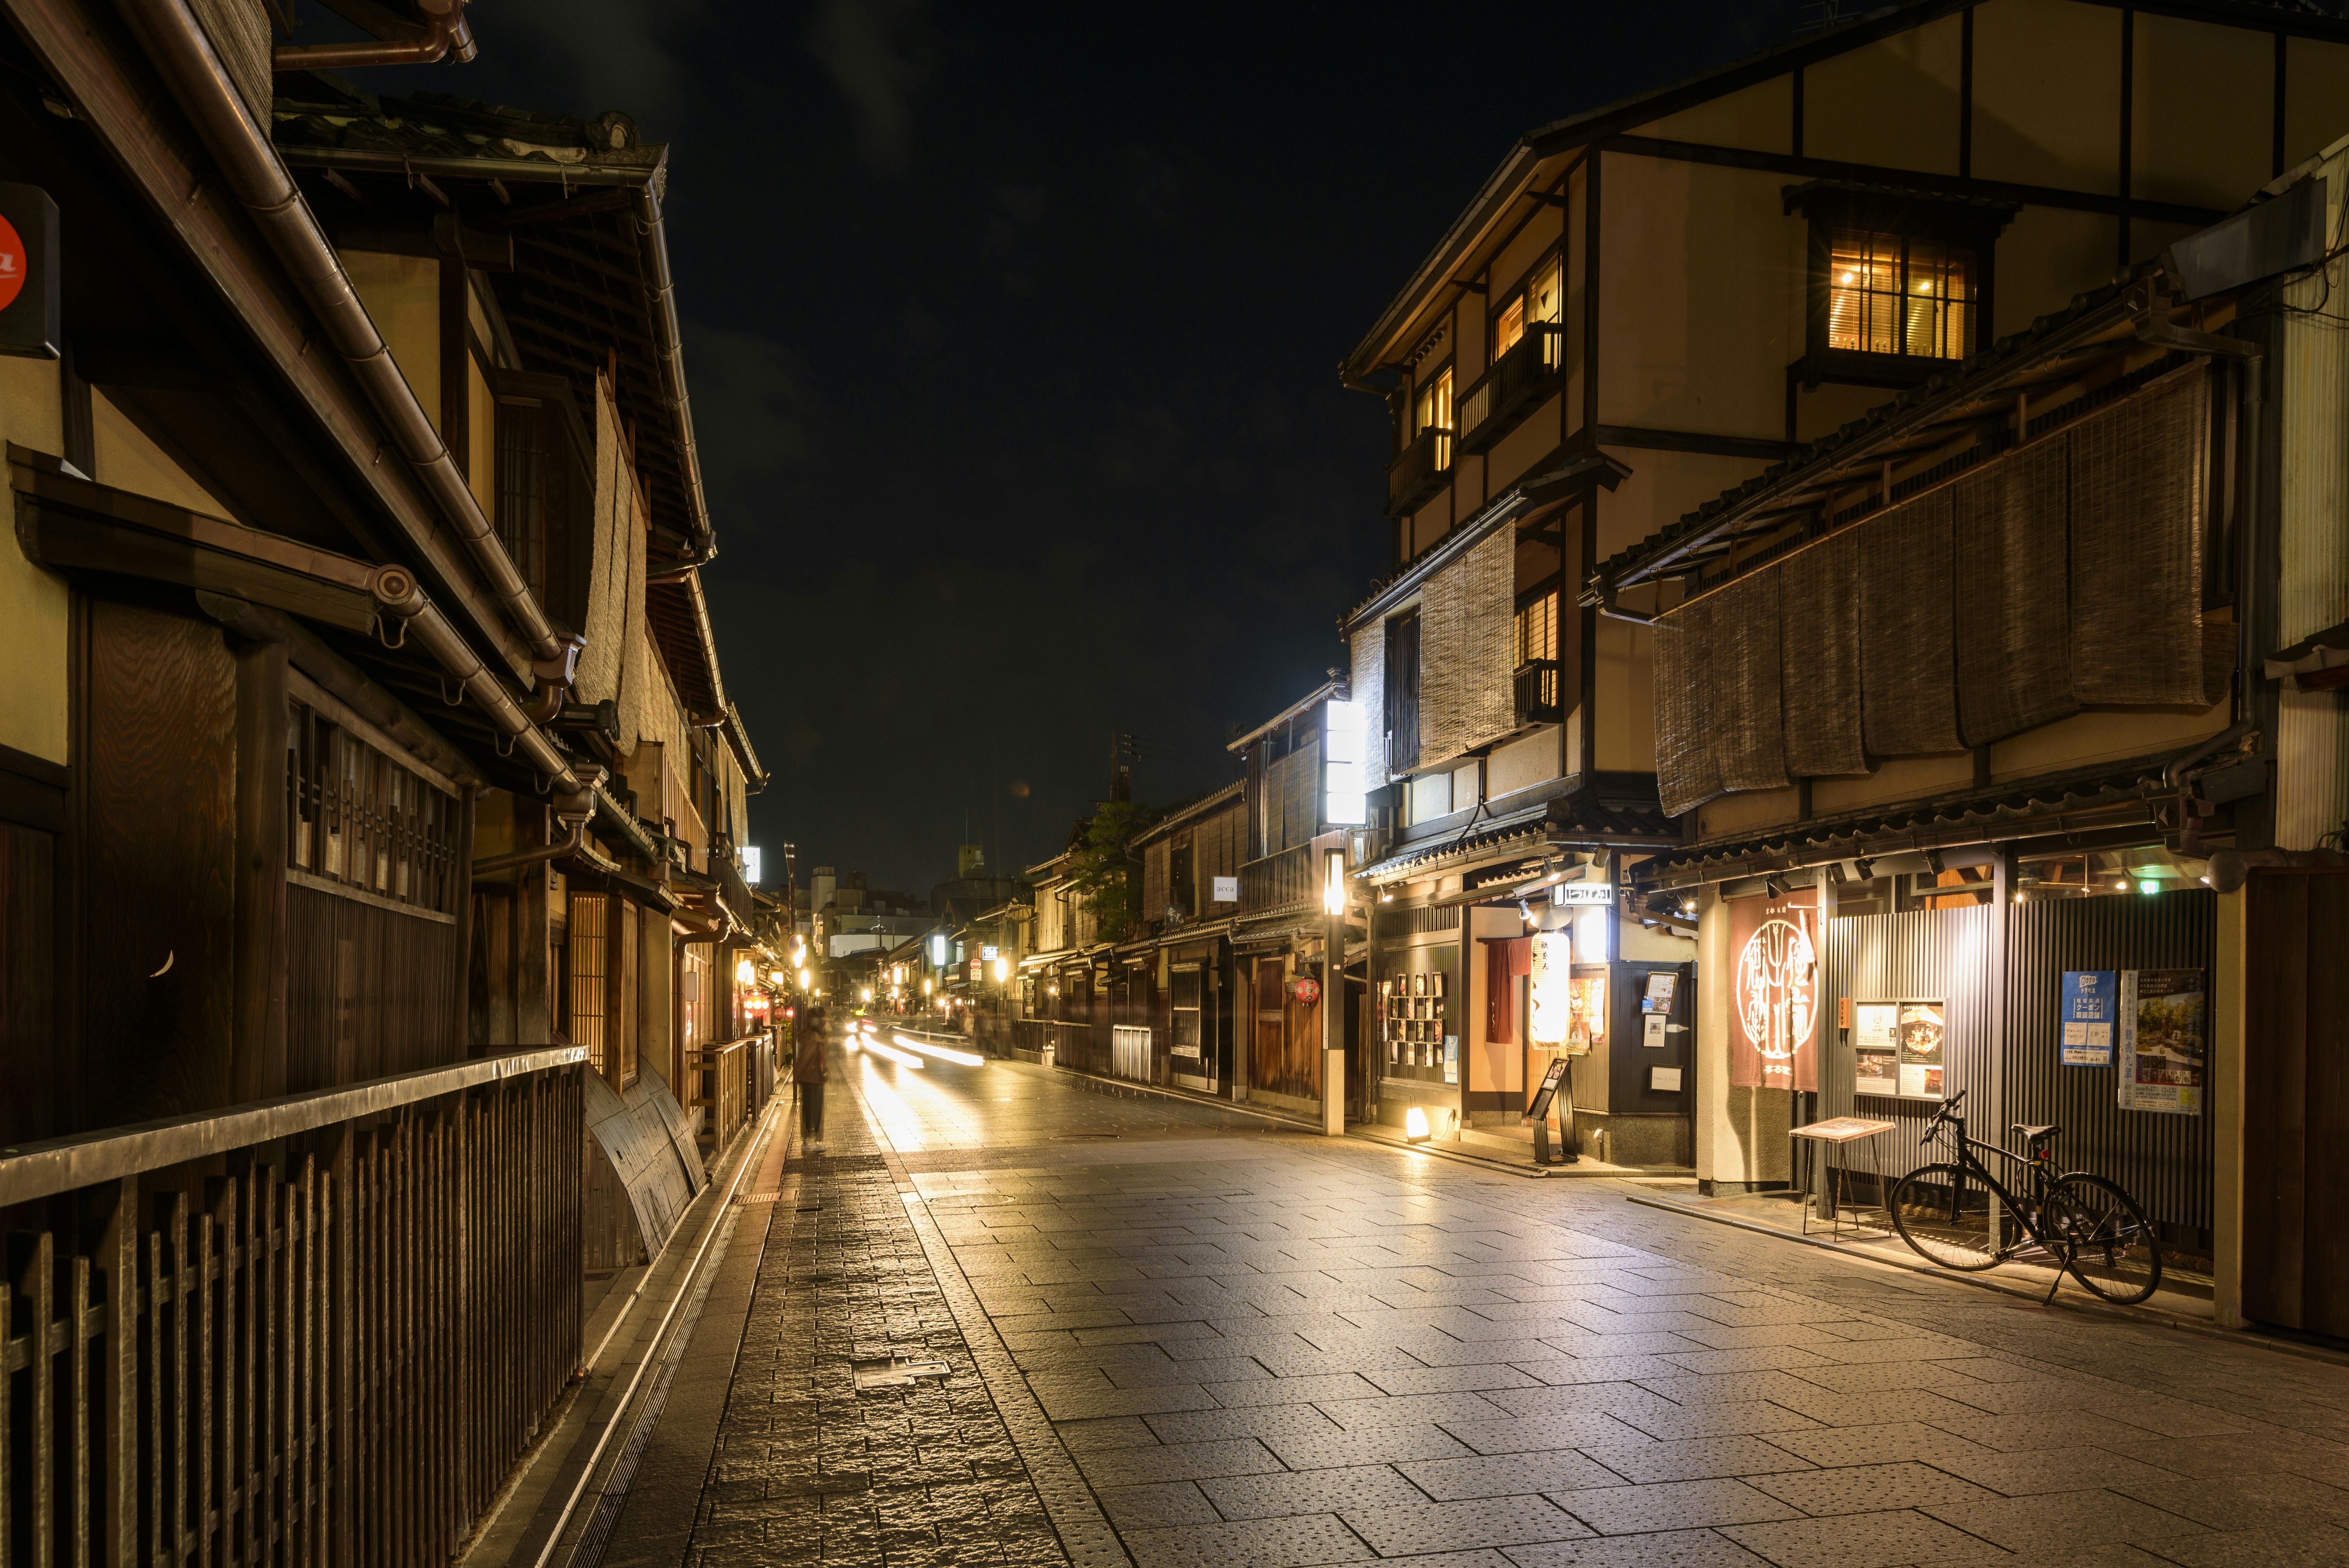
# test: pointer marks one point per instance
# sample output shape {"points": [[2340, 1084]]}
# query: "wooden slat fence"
{"points": [[315, 1330]]}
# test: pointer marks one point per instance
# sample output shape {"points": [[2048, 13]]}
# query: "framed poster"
{"points": [[1921, 1031], [1551, 1078], [2163, 1040], [1660, 993], [1876, 1047], [2091, 1000], [1451, 1059]]}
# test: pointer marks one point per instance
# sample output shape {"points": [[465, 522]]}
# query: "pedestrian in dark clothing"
{"points": [[808, 1072]]}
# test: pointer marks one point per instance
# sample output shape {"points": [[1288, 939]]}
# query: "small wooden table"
{"points": [[1821, 1139]]}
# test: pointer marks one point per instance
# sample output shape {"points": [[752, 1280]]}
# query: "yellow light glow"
{"points": [[926, 984], [803, 979], [1414, 1125], [868, 992], [777, 976], [943, 1053], [1002, 970], [1333, 884]]}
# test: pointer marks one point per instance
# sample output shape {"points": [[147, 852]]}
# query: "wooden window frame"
{"points": [[1972, 226]]}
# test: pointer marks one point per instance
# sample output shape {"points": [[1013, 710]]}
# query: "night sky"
{"points": [[1012, 335]]}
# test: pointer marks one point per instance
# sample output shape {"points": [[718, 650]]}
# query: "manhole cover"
{"points": [[897, 1372]]}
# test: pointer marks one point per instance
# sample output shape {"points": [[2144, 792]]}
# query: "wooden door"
{"points": [[2296, 1101], [1268, 1057]]}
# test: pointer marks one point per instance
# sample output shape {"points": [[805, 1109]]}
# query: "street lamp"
{"points": [[1334, 992], [1002, 970]]}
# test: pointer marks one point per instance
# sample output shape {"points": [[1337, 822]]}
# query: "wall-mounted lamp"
{"points": [[1864, 868], [1933, 862], [1334, 884], [746, 973], [1773, 888]]}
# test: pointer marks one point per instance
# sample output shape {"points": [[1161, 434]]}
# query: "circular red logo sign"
{"points": [[12, 263]]}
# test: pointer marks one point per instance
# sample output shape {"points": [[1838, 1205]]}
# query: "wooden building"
{"points": [[1636, 325], [365, 727]]}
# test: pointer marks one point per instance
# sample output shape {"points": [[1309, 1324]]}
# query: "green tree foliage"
{"points": [[1106, 870]]}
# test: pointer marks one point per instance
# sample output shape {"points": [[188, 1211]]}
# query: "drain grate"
{"points": [[897, 1372]]}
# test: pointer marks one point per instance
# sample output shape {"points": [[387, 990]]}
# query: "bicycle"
{"points": [[2089, 1224]]}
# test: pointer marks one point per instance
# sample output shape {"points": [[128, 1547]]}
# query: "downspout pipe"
{"points": [[184, 53]]}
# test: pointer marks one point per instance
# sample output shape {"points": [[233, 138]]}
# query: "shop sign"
{"points": [[2164, 1040], [28, 271], [1583, 892], [2092, 999], [1774, 994], [1228, 890], [1305, 988]]}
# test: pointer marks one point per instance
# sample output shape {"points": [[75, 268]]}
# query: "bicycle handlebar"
{"points": [[1948, 1110]]}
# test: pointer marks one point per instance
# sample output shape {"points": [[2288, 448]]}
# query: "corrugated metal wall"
{"points": [[2313, 548], [2165, 1161]]}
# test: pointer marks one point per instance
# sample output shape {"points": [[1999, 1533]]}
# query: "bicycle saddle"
{"points": [[2035, 1133]]}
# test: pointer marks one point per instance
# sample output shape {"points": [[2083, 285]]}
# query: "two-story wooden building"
{"points": [[363, 725], [1817, 660]]}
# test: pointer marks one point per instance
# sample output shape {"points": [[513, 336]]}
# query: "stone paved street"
{"points": [[1173, 1336]]}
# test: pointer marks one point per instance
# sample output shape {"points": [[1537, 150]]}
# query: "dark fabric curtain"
{"points": [[1908, 697], [1505, 959], [2013, 642], [1818, 604]]}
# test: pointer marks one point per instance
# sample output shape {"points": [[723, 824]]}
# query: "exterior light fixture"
{"points": [[777, 978], [2148, 885], [926, 984], [803, 979], [1343, 800], [1864, 868], [746, 973], [868, 992], [2121, 886], [1333, 884], [1414, 1125], [1002, 970]]}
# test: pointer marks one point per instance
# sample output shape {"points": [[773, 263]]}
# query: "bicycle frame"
{"points": [[2026, 1220]]}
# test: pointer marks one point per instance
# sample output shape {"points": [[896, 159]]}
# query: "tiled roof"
{"points": [[1943, 821]]}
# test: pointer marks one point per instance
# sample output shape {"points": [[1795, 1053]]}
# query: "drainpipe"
{"points": [[446, 35], [574, 841], [184, 53], [669, 348]]}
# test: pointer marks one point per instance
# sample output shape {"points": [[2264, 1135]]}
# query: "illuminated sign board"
{"points": [[1342, 742]]}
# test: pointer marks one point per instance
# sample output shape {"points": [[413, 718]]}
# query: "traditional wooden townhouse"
{"points": [[1190, 894], [1895, 716], [1064, 978], [370, 799]]}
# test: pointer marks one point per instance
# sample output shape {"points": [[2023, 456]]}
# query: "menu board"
{"points": [[1920, 1050], [1875, 1046]]}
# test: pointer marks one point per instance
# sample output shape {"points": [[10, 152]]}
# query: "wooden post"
{"points": [[257, 1066]]}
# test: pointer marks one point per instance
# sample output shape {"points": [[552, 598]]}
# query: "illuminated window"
{"points": [[1537, 629], [1893, 293], [1435, 412]]}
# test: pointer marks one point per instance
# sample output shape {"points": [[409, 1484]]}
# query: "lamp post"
{"points": [[1333, 994]]}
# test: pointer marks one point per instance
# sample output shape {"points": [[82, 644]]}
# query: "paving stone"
{"points": [[2055, 1429], [1143, 1507], [1667, 1549], [1449, 1379], [1857, 1541], [2269, 1546], [1175, 1462], [1529, 1433], [2063, 1519], [1251, 1544], [1700, 1459], [2230, 1503], [1245, 1421], [1725, 1420], [1748, 1358], [1871, 1489], [1311, 1491], [1506, 1475], [1411, 1410], [1334, 1385], [1377, 1446], [1443, 1526], [1670, 1505], [2059, 1469]]}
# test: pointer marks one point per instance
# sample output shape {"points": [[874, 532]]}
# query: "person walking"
{"points": [[808, 1070]]}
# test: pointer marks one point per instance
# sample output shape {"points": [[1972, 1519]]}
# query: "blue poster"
{"points": [[2092, 1000]]}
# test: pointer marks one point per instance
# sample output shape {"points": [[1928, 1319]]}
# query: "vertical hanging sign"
{"points": [[2163, 1037], [1553, 988], [1773, 1002]]}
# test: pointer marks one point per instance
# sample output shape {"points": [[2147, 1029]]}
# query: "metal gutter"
{"points": [[152, 155], [180, 49], [1283, 716]]}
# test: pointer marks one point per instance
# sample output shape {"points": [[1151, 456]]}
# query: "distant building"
{"points": [[974, 889]]}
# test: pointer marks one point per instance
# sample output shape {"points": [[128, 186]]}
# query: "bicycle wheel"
{"points": [[2113, 1251], [1944, 1213]]}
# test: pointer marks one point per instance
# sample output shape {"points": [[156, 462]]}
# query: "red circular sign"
{"points": [[12, 263]]}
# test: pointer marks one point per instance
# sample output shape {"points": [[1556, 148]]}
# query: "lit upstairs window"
{"points": [[1900, 294]]}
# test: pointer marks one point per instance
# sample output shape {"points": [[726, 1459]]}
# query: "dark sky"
{"points": [[1012, 335]]}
